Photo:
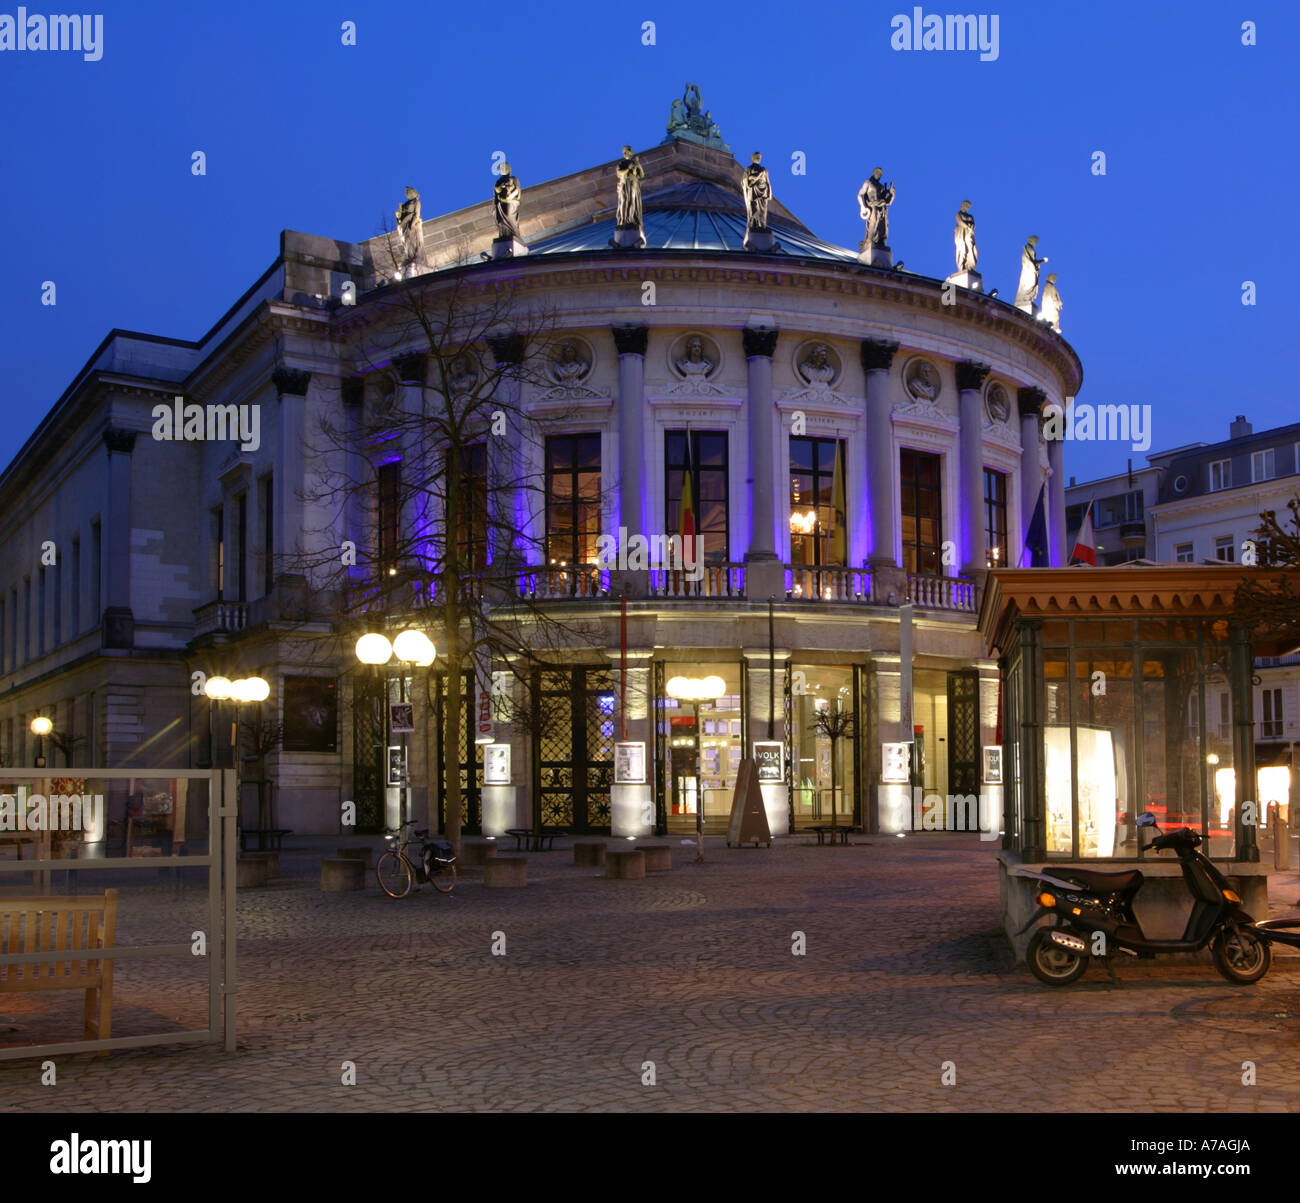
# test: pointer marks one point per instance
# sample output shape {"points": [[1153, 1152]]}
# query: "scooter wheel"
{"points": [[1053, 965], [1242, 956]]}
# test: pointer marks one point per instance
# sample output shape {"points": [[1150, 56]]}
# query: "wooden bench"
{"points": [[265, 835], [533, 841], [834, 834], [63, 925]]}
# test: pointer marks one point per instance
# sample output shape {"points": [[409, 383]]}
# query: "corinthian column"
{"points": [[507, 493], [877, 356], [970, 378], [764, 573], [1030, 403], [1056, 498], [633, 508]]}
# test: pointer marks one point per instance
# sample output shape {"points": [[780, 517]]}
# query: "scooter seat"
{"points": [[1117, 883]]}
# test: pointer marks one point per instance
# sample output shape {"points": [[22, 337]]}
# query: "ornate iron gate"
{"points": [[573, 730], [471, 757], [368, 756], [963, 733]]}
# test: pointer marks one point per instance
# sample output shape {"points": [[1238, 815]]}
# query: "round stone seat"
{"points": [[251, 872], [339, 874], [505, 872], [590, 853], [658, 857], [624, 863], [477, 854], [358, 852]]}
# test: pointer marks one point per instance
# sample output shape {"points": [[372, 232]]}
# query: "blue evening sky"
{"points": [[302, 132]]}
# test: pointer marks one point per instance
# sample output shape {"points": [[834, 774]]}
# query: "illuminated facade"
{"points": [[847, 441]]}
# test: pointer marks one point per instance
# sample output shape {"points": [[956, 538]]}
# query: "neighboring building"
{"points": [[1200, 504], [790, 380]]}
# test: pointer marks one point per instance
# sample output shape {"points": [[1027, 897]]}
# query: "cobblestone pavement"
{"points": [[692, 970]]}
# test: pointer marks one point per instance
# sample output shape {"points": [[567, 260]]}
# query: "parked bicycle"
{"points": [[399, 871]]}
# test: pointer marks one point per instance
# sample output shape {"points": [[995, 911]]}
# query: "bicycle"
{"points": [[398, 872]]}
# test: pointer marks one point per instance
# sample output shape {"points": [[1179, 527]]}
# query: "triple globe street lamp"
{"points": [[240, 691]]}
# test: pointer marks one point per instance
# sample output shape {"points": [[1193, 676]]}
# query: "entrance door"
{"points": [[368, 752], [963, 746], [574, 740]]}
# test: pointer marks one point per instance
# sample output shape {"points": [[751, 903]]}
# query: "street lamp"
{"points": [[41, 727], [696, 690], [245, 689]]}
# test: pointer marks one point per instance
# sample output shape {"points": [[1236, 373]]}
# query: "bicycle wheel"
{"points": [[395, 875], [442, 875]]}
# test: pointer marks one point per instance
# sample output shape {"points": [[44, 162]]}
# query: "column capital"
{"points": [[1030, 401], [354, 390], [118, 440], [290, 382], [507, 348], [759, 342], [877, 354], [411, 369], [970, 375], [630, 340]]}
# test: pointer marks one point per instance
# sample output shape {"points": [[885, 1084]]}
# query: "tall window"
{"points": [[268, 534], [1261, 465], [995, 518], [1133, 506], [708, 463], [922, 521], [96, 568], [389, 479], [40, 611], [1271, 727], [58, 601], [1183, 553], [241, 545], [27, 619], [76, 586], [1220, 475], [472, 539], [818, 519], [219, 542], [1225, 549], [13, 627], [572, 498]]}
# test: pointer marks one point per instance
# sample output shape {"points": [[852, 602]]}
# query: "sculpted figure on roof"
{"points": [[629, 173], [874, 199], [964, 239], [1051, 308], [757, 188], [505, 204], [1027, 292], [410, 226]]}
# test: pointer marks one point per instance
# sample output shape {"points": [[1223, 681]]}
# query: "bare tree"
{"points": [[436, 476], [1268, 601]]}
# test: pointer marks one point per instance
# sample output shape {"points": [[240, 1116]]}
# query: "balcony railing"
{"points": [[228, 617], [563, 582], [803, 583], [941, 593], [718, 580]]}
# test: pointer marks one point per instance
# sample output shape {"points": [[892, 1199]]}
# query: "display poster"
{"points": [[769, 757], [629, 763]]}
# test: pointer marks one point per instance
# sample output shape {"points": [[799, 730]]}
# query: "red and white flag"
{"points": [[1085, 542]]}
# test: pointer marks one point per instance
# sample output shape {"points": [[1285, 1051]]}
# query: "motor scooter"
{"points": [[1092, 915]]}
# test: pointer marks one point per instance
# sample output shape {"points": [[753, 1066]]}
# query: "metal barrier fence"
{"points": [[91, 856]]}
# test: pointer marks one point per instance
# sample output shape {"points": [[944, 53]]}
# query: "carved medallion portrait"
{"points": [[921, 380]]}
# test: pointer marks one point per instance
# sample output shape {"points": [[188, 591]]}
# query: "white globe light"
{"points": [[714, 687], [256, 689], [239, 690], [374, 649], [217, 688], [41, 725], [414, 647]]}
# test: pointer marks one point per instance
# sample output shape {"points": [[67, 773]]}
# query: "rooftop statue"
{"points": [[874, 199], [1051, 307], [756, 185], [505, 205], [1027, 292], [964, 239], [688, 119], [410, 227], [630, 173]]}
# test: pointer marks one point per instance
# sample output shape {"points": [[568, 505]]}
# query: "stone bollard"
{"points": [[475, 856], [624, 863], [358, 852], [272, 860], [1281, 842], [505, 872], [342, 873], [589, 853], [658, 857], [249, 874]]}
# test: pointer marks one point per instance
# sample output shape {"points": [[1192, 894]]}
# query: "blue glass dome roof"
{"points": [[694, 217]]}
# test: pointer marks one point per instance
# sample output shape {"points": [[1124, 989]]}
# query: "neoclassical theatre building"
{"points": [[852, 452]]}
